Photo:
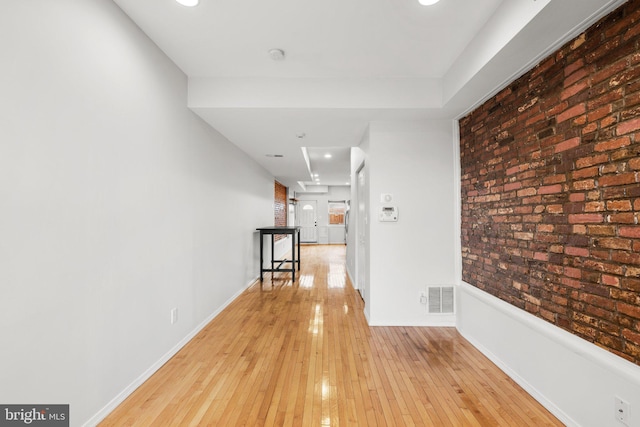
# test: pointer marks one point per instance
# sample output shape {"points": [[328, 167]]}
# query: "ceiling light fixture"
{"points": [[300, 135], [188, 3], [327, 156], [276, 54], [428, 2]]}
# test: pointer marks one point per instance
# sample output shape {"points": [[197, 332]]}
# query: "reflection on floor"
{"points": [[302, 354]]}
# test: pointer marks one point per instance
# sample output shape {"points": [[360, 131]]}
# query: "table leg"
{"points": [[261, 256], [273, 238], [293, 257], [298, 248]]}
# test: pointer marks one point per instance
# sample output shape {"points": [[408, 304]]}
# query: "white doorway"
{"points": [[361, 233], [308, 221]]}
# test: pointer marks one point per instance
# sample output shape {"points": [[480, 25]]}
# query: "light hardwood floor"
{"points": [[302, 354]]}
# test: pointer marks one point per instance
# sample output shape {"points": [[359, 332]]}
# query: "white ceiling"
{"points": [[347, 63]]}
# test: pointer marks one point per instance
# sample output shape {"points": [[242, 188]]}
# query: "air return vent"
{"points": [[440, 299]]}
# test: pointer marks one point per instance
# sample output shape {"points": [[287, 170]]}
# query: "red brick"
{"points": [[550, 189], [527, 192], [628, 126], [576, 273], [622, 179], [585, 218], [555, 209], [523, 209], [569, 113], [532, 219], [571, 250], [610, 280], [619, 205], [585, 173], [572, 90], [614, 243], [591, 127], [554, 179], [574, 77], [612, 144], [594, 207], [523, 236], [633, 232], [593, 160], [572, 283], [574, 66], [625, 257], [516, 169], [566, 145], [632, 336], [622, 218], [602, 230], [558, 205], [599, 113], [608, 121], [586, 184], [585, 331], [541, 256], [629, 310], [512, 186], [634, 164]]}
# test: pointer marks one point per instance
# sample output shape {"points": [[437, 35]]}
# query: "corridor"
{"points": [[302, 354]]}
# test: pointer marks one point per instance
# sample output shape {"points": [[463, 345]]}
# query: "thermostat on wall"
{"points": [[388, 214]]}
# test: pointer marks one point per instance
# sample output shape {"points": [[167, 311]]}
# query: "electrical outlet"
{"points": [[622, 411], [174, 315]]}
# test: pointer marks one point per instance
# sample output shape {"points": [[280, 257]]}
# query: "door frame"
{"points": [[361, 233], [300, 205]]}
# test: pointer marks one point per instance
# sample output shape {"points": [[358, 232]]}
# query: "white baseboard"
{"points": [[430, 320], [573, 378], [113, 404]]}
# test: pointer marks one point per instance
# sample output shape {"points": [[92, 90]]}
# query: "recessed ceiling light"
{"points": [[274, 155], [300, 135], [428, 2], [276, 54], [327, 156], [188, 3]]}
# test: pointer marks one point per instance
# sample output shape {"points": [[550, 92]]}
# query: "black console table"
{"points": [[295, 237]]}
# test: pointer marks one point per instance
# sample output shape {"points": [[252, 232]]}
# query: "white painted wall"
{"points": [[413, 162], [115, 206], [576, 380]]}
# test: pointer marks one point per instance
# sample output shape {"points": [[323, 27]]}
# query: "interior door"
{"points": [[361, 233], [308, 221]]}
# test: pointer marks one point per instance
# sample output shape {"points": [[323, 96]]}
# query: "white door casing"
{"points": [[307, 220], [361, 237]]}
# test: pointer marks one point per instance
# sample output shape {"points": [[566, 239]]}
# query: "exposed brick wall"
{"points": [[280, 207], [550, 188]]}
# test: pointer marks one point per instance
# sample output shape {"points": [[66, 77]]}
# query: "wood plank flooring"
{"points": [[302, 354]]}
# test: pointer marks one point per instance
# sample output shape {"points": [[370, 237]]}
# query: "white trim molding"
{"points": [[574, 379]]}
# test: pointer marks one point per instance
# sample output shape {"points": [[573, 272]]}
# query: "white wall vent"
{"points": [[440, 299]]}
